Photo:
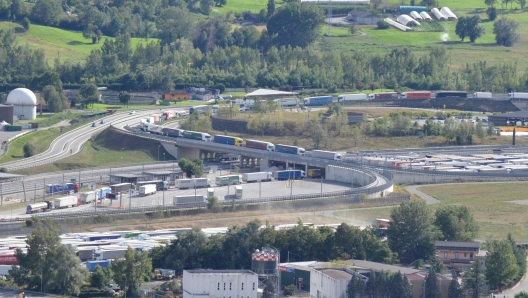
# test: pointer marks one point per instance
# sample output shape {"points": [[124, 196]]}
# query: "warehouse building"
{"points": [[220, 283], [362, 17]]}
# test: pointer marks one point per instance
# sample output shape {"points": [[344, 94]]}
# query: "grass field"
{"points": [[104, 107], [69, 45], [489, 204], [41, 139]]}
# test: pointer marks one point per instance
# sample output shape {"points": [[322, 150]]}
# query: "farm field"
{"points": [[69, 45]]}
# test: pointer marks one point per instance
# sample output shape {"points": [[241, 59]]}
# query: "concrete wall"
{"points": [[414, 178], [171, 149], [346, 175]]}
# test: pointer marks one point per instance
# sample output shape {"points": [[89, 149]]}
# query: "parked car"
{"points": [[132, 112]]}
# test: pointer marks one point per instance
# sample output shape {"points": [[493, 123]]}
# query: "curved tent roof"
{"points": [[425, 15], [268, 92], [416, 15], [407, 20], [438, 15], [448, 13]]}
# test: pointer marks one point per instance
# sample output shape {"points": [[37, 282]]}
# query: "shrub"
{"points": [[382, 25]]}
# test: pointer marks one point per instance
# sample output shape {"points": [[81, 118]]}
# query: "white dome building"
{"points": [[24, 102]]}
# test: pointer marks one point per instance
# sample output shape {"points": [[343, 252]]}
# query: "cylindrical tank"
{"points": [[6, 113], [24, 102], [265, 262]]}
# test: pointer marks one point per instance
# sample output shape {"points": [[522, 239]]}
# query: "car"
{"points": [[132, 112]]}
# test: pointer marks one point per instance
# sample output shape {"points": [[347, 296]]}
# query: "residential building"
{"points": [[220, 283], [457, 255], [363, 17], [175, 95]]}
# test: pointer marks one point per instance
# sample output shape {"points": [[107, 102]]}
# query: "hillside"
{"points": [[69, 45]]}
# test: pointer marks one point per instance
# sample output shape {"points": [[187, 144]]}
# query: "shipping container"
{"points": [[318, 100], [148, 189], [352, 97], [416, 95], [66, 202], [290, 149], [194, 135], [255, 144], [228, 140], [228, 180], [327, 155], [451, 94], [186, 200], [258, 176]]}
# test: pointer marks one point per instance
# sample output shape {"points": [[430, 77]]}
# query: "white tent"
{"points": [[2, 124], [425, 15], [448, 13], [438, 15], [407, 20], [268, 92], [416, 15]]}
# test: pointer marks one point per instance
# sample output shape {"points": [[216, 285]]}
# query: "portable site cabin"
{"points": [[407, 21]]}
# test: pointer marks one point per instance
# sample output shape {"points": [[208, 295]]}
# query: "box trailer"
{"points": [[238, 192], [210, 192], [148, 189], [4, 269], [66, 202], [184, 183], [352, 97], [8, 259], [290, 149], [289, 174], [168, 115], [194, 135], [257, 176], [284, 102], [87, 197], [185, 200], [383, 96], [172, 132], [318, 100], [98, 237], [202, 182], [327, 155], [228, 140], [482, 95], [228, 180], [255, 144], [517, 95], [416, 95], [316, 173], [110, 253], [451, 94], [90, 265], [121, 187], [85, 253], [101, 192]]}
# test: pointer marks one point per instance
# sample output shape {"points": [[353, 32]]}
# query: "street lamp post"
{"points": [[158, 151]]}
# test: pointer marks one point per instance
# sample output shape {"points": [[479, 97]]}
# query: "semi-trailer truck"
{"points": [[383, 96], [66, 202], [172, 132], [258, 176], [290, 149], [352, 97], [228, 140], [289, 174], [284, 102], [148, 189], [39, 207], [110, 253], [121, 187], [327, 155], [316, 173], [451, 94], [195, 135], [228, 180], [482, 95], [416, 95], [318, 100], [185, 200], [255, 144], [87, 197], [517, 95]]}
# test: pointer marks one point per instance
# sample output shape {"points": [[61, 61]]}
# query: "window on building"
{"points": [[253, 286], [224, 286], [229, 288], [218, 287], [471, 255], [465, 254], [457, 255], [242, 286], [445, 255]]}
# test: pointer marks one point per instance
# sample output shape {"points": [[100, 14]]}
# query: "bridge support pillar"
{"points": [[264, 164], [188, 153]]}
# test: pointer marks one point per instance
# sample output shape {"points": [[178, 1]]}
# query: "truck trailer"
{"points": [[85, 253], [184, 183], [228, 140], [226, 157], [110, 253], [316, 173], [186, 200], [91, 265], [87, 197], [58, 188], [172, 132], [517, 95], [202, 182], [66, 202], [290, 149], [482, 95], [383, 96], [285, 102], [289, 174], [39, 207], [327, 155], [98, 237], [416, 95], [258, 176], [255, 144], [228, 180], [195, 135], [451, 94], [148, 189], [352, 97], [121, 187], [318, 100], [8, 259]]}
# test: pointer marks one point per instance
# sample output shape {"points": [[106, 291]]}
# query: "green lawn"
{"points": [[41, 139], [104, 107], [253, 6], [69, 45]]}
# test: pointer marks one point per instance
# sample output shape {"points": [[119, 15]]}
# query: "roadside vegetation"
{"points": [[40, 139]]}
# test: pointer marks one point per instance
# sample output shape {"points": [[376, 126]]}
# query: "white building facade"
{"points": [[219, 284], [329, 283]]}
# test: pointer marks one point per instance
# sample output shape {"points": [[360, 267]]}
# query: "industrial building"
{"points": [[7, 114], [24, 102], [328, 282], [362, 17], [220, 283]]}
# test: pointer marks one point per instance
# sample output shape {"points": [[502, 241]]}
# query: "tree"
{"points": [[410, 233], [481, 132], [19, 9], [490, 3], [491, 129], [89, 94], [290, 290], [492, 13], [460, 28], [352, 29], [469, 27], [295, 24], [206, 6], [454, 290], [318, 134], [269, 290], [432, 287], [101, 278], [381, 25], [506, 32], [48, 263], [450, 128], [25, 23], [520, 255], [456, 223], [29, 149], [130, 273], [47, 12], [213, 203], [501, 265], [474, 280], [522, 294], [352, 290], [271, 8], [191, 167], [54, 100], [522, 3], [124, 97]]}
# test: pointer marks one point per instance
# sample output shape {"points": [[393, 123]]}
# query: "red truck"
{"points": [[384, 95], [416, 95], [8, 260]]}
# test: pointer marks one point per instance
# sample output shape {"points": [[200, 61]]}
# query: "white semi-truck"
{"points": [[518, 95], [185, 200], [327, 155], [184, 183], [147, 189], [482, 95], [258, 176], [87, 197], [66, 202], [352, 97], [110, 253]]}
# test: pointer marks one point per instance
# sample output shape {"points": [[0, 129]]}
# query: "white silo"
{"points": [[24, 102]]}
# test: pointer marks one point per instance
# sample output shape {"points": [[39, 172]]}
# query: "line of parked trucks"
{"points": [[424, 95]]}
